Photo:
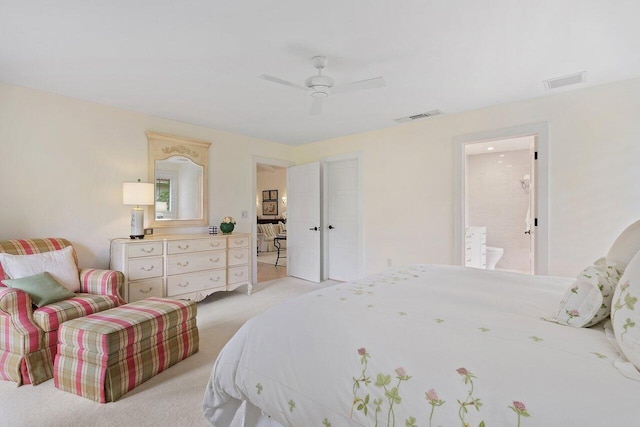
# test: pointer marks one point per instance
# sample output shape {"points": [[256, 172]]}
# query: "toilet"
{"points": [[493, 256]]}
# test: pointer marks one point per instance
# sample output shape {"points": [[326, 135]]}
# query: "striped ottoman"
{"points": [[104, 355]]}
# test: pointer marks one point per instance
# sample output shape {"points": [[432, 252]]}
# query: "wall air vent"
{"points": [[418, 116], [571, 79]]}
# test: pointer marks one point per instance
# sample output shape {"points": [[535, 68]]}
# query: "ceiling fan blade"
{"points": [[316, 106], [282, 82], [360, 85]]}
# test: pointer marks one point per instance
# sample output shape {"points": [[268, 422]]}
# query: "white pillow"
{"points": [[579, 305], [626, 245], [625, 319], [60, 264], [605, 275], [588, 300]]}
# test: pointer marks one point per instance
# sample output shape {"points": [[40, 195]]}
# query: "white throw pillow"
{"points": [[579, 305], [588, 300], [626, 245], [605, 276], [625, 319], [60, 264]]}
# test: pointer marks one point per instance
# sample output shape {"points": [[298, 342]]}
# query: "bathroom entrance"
{"points": [[500, 197], [496, 205]]}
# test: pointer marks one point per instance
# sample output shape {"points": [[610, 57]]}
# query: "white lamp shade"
{"points": [[137, 193]]}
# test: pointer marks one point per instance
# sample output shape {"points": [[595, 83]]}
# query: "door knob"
{"points": [[331, 227], [314, 229], [528, 232]]}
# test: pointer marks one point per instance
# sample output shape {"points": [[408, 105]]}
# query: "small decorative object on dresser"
{"points": [[227, 225], [190, 266]]}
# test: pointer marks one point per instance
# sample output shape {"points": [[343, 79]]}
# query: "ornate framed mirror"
{"points": [[178, 167]]}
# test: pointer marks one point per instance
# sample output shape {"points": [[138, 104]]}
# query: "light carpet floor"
{"points": [[171, 398]]}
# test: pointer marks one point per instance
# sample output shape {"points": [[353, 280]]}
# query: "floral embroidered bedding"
{"points": [[422, 345]]}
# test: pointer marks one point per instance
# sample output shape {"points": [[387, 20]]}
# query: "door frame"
{"points": [[541, 176], [254, 209], [325, 211]]}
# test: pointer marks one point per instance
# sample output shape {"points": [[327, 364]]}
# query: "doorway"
{"points": [[501, 199], [270, 218]]}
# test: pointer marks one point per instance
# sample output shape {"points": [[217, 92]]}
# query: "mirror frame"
{"points": [[161, 147]]}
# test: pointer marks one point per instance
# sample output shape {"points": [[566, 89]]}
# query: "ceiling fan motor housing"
{"points": [[319, 85]]}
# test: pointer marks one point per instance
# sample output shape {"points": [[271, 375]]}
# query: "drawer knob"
{"points": [[147, 251], [240, 274], [214, 245], [238, 242], [214, 260], [142, 291], [185, 247], [217, 279], [239, 256], [183, 265], [183, 286], [146, 269]]}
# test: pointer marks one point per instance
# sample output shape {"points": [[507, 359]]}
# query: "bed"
{"points": [[425, 345]]}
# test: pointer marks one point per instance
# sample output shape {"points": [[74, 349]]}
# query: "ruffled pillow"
{"points": [[605, 275], [588, 300], [625, 318], [626, 245]]}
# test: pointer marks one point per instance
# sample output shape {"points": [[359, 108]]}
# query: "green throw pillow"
{"points": [[42, 288]]}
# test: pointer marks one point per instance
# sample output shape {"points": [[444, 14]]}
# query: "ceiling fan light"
{"points": [[319, 80], [320, 91]]}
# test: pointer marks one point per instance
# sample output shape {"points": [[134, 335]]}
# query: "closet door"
{"points": [[303, 222], [343, 225]]}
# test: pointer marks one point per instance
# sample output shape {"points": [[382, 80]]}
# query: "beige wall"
{"points": [[593, 179], [64, 162]]}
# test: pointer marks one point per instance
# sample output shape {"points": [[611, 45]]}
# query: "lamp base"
{"points": [[137, 223]]}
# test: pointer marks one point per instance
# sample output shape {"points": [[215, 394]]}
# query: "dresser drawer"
{"points": [[195, 245], [145, 268], [145, 249], [193, 282], [144, 289], [198, 261], [238, 274], [238, 256], [238, 242]]}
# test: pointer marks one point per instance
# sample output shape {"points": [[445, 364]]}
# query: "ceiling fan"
{"points": [[320, 86]]}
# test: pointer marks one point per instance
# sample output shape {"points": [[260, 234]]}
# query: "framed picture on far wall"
{"points": [[265, 195], [270, 207], [273, 195]]}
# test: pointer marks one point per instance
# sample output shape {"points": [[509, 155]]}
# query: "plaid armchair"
{"points": [[29, 335]]}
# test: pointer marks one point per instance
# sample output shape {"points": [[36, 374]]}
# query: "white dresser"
{"points": [[475, 247], [189, 266]]}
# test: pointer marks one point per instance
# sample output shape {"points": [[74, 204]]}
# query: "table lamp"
{"points": [[137, 194]]}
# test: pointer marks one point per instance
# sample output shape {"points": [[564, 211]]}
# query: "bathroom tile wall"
{"points": [[496, 199]]}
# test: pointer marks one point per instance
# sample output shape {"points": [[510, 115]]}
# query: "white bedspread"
{"points": [[430, 346]]}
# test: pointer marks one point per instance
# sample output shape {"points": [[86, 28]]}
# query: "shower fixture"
{"points": [[525, 182]]}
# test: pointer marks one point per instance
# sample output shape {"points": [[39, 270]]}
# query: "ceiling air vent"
{"points": [[571, 79], [418, 116]]}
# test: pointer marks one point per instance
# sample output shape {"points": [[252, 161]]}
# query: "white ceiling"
{"points": [[198, 61]]}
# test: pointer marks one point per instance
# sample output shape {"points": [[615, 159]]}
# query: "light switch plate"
{"points": [[245, 214]]}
